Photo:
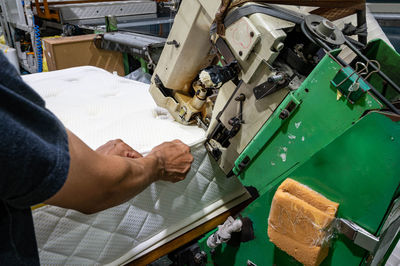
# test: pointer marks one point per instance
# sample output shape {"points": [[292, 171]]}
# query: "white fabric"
{"points": [[99, 106]]}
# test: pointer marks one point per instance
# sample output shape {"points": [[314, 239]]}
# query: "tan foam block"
{"points": [[298, 221], [305, 254], [310, 196]]}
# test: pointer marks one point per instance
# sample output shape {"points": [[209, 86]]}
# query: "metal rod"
{"points": [[362, 20], [363, 57], [384, 100], [384, 89]]}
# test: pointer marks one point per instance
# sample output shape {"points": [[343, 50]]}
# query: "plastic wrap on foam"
{"points": [[301, 222]]}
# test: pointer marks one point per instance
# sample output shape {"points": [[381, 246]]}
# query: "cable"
{"points": [[344, 64], [39, 52]]}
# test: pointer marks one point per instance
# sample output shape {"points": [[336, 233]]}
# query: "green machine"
{"points": [[279, 102], [347, 151]]}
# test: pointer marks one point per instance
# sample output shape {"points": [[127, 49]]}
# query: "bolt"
{"points": [[173, 42], [284, 114], [251, 34], [392, 138], [240, 98], [197, 258], [278, 46], [200, 257], [240, 53], [276, 78]]}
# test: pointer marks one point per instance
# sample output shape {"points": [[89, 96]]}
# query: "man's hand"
{"points": [[118, 147], [174, 159], [98, 180]]}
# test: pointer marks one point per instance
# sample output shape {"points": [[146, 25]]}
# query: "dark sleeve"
{"points": [[34, 157]]}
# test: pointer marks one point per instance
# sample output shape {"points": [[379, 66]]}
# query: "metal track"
{"points": [[90, 11]]}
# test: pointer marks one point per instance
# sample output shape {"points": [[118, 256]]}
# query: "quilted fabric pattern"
{"points": [[98, 106]]}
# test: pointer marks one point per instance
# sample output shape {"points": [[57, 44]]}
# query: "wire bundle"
{"points": [[39, 52]]}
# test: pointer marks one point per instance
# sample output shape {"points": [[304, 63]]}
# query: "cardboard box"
{"points": [[80, 50]]}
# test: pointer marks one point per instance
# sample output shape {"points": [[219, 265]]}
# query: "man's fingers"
{"points": [[118, 147], [186, 147], [176, 158], [176, 178], [177, 141], [186, 170], [133, 154], [124, 146], [128, 151]]}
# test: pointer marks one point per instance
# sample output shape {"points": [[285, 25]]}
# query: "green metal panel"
{"points": [[319, 119], [359, 170]]}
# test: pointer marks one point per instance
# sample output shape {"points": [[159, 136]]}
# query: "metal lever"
{"points": [[237, 121], [241, 98], [358, 235]]}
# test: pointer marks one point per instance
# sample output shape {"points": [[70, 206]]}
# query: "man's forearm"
{"points": [[135, 176], [96, 182]]}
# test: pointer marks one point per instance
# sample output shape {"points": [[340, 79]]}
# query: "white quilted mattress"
{"points": [[98, 106]]}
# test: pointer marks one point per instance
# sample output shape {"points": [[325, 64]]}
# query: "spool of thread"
{"points": [[11, 55]]}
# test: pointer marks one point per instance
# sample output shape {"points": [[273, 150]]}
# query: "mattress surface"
{"points": [[98, 106]]}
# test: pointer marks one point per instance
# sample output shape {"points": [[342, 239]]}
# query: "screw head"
{"points": [[284, 114], [200, 257]]}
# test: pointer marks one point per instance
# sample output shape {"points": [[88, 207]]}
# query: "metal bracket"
{"points": [[358, 235], [376, 246]]}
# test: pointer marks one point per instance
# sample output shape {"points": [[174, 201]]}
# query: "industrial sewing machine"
{"points": [[277, 101], [263, 48]]}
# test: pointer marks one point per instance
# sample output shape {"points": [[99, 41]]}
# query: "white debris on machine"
{"points": [[283, 157]]}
